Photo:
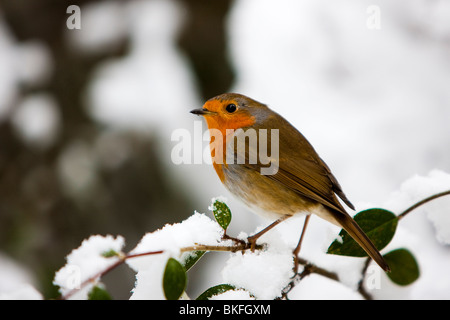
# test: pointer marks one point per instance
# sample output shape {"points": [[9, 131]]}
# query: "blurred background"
{"points": [[86, 115]]}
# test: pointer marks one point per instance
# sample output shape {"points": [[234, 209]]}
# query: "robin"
{"points": [[300, 181]]}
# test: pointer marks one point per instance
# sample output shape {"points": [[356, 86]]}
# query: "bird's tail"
{"points": [[361, 238]]}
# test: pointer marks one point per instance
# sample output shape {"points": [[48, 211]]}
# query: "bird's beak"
{"points": [[202, 112]]}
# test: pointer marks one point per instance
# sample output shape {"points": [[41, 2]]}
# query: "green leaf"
{"points": [[221, 288], [404, 267], [378, 224], [109, 253], [191, 258], [174, 280], [98, 292], [222, 213]]}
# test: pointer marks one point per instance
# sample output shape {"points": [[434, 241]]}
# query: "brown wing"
{"points": [[301, 169], [313, 189]]}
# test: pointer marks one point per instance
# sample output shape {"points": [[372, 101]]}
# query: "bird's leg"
{"points": [[299, 245], [252, 239]]}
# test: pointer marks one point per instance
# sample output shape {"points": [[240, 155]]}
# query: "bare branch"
{"points": [[361, 289], [418, 204]]}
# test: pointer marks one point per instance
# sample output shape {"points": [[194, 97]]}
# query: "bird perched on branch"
{"points": [[268, 164]]}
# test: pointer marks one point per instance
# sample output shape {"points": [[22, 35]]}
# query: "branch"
{"points": [[100, 274], [309, 268], [235, 248], [123, 258], [418, 204], [361, 289]]}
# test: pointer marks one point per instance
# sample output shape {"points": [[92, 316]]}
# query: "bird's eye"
{"points": [[231, 108]]}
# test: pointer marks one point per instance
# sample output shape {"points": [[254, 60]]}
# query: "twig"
{"points": [[123, 258], [308, 269], [418, 204], [100, 274], [361, 288], [235, 248], [312, 268]]}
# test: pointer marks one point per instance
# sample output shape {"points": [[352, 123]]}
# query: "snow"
{"points": [[263, 274], [86, 262], [424, 232], [149, 277], [213, 201], [317, 287], [198, 229], [237, 294], [22, 292], [16, 281], [421, 187]]}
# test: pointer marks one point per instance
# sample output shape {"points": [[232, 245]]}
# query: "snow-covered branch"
{"points": [[266, 273]]}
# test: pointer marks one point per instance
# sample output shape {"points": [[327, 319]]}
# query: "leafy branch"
{"points": [[379, 224]]}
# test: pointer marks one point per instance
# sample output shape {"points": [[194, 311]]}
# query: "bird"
{"points": [[295, 181]]}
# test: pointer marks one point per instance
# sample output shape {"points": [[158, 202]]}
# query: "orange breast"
{"points": [[219, 124]]}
